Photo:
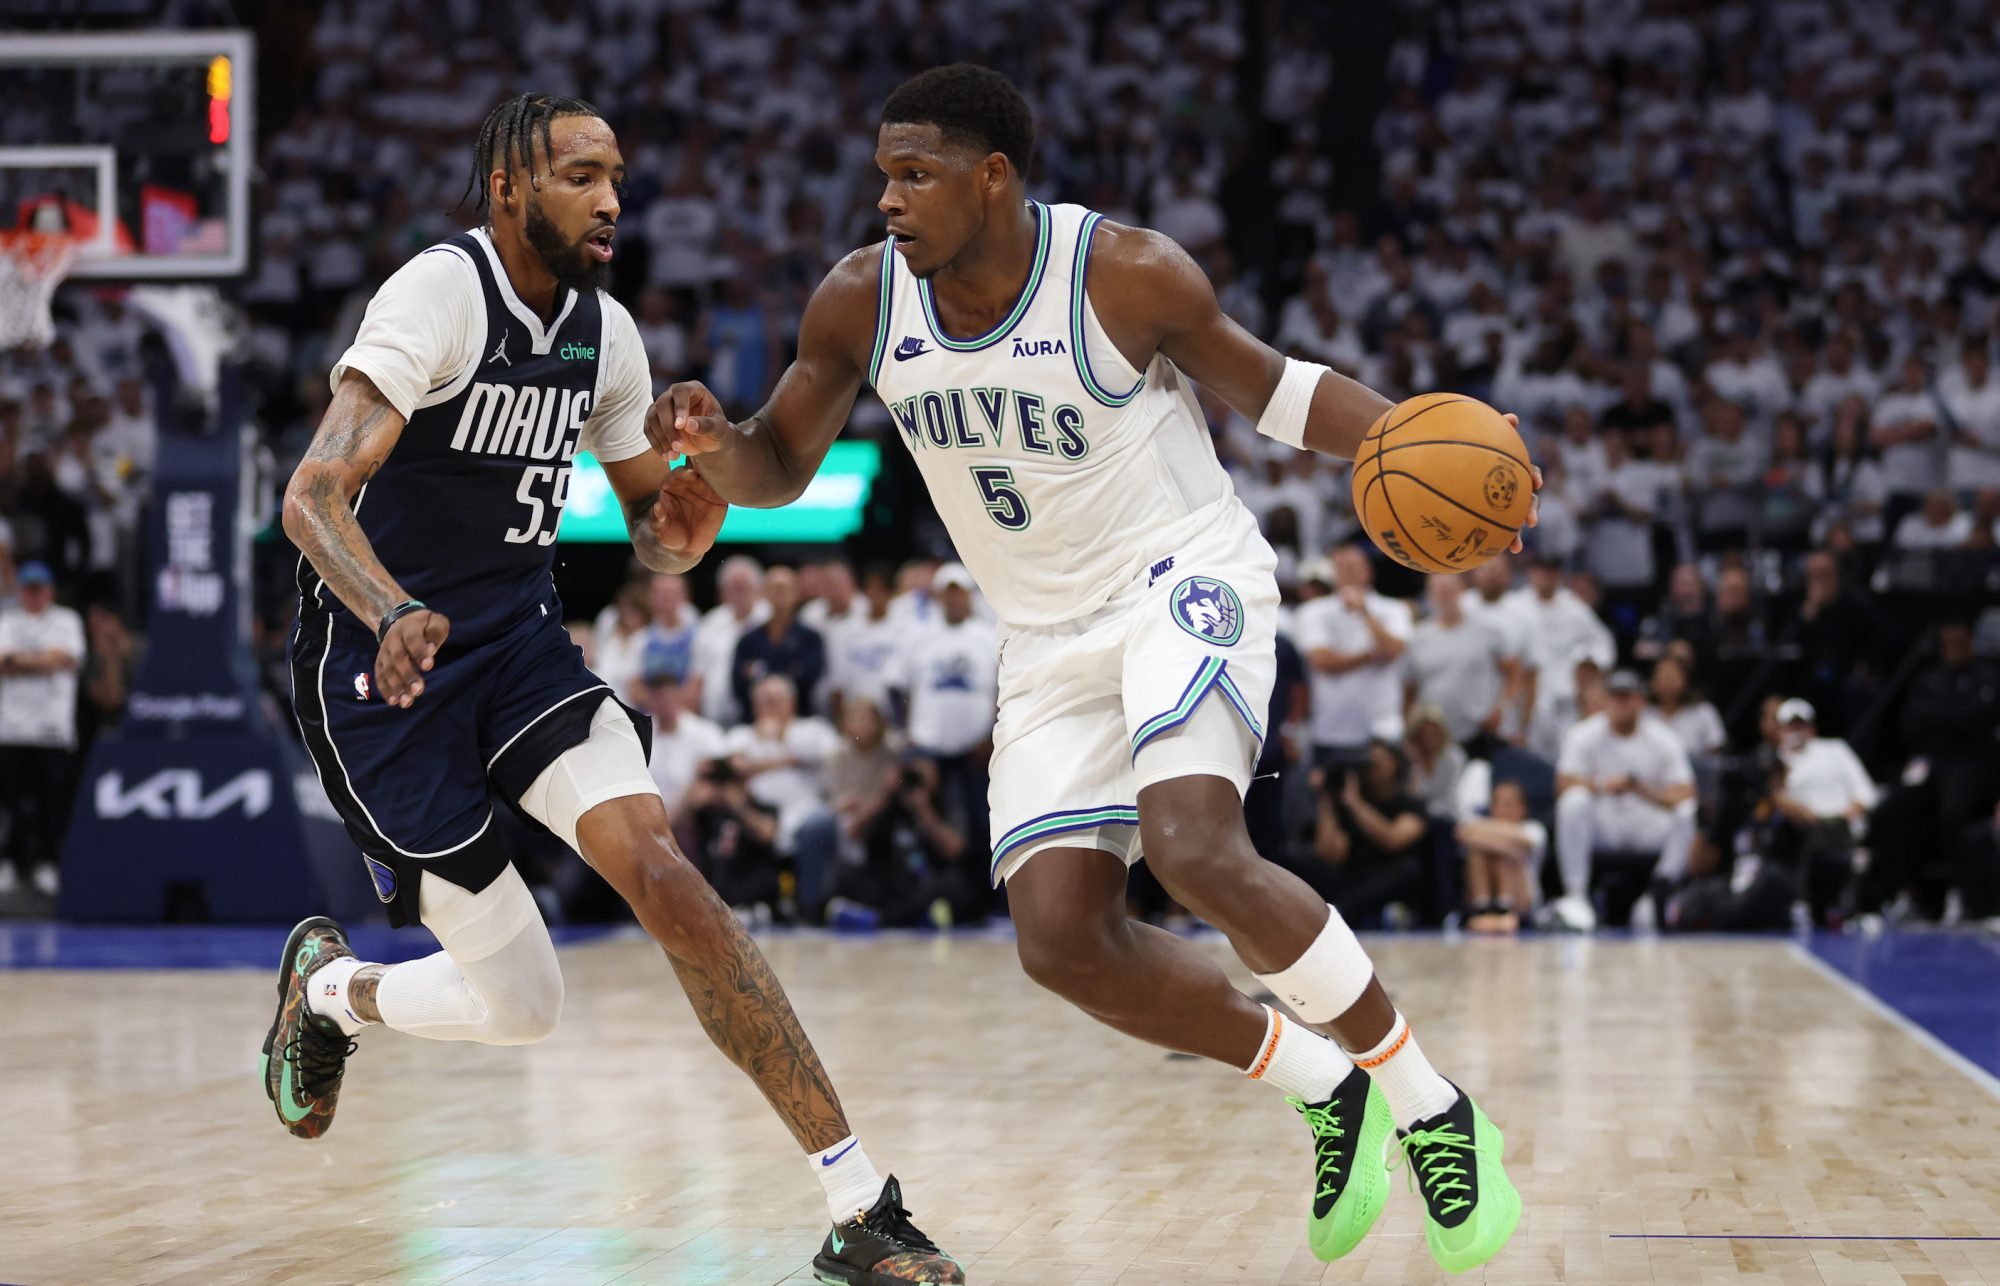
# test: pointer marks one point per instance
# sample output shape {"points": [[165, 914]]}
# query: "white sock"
{"points": [[1302, 1063], [1414, 1089], [1324, 983], [848, 1176], [326, 992]]}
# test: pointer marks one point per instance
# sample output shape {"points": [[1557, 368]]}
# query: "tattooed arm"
{"points": [[354, 438], [672, 514]]}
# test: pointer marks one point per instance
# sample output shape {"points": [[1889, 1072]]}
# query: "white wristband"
{"points": [[1284, 417]]}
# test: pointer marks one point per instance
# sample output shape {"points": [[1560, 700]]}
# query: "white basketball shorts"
{"points": [[1171, 678]]}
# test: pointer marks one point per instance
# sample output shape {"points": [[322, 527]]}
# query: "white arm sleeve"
{"points": [[423, 327], [616, 429]]}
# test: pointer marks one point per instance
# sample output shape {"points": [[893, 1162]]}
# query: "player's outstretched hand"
{"points": [[688, 514], [409, 652], [1535, 510], [686, 420]]}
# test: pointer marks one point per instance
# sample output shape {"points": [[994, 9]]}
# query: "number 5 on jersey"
{"points": [[1003, 499], [557, 479]]}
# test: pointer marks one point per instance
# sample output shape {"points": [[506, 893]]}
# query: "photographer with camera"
{"points": [[1367, 851], [913, 866], [736, 840]]}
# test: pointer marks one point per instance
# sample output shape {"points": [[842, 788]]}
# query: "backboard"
{"points": [[140, 144]]}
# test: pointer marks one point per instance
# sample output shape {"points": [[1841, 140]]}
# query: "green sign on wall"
{"points": [[830, 510]]}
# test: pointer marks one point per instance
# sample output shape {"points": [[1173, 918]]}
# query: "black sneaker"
{"points": [[305, 1055], [881, 1247]]}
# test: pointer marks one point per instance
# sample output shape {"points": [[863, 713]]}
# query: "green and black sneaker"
{"points": [[881, 1247], [305, 1055], [1470, 1207], [1351, 1132]]}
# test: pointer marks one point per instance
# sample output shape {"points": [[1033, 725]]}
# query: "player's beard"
{"points": [[573, 267]]}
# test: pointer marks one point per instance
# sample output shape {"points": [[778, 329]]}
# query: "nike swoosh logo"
{"points": [[910, 348], [838, 1244], [286, 1099], [843, 1152]]}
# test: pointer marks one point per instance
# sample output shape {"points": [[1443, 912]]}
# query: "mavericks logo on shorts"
{"points": [[1209, 610]]}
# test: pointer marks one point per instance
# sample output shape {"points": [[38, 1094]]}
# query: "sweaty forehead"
{"points": [[583, 138], [919, 141]]}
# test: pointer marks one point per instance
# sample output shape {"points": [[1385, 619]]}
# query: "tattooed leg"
{"points": [[739, 1001], [361, 989]]}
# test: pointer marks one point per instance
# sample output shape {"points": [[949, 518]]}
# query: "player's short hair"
{"points": [[970, 105], [507, 138]]}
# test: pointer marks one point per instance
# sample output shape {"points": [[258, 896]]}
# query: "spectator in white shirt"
{"points": [[1822, 806], [1353, 641], [1840, 378], [1492, 604], [950, 671], [861, 657], [1503, 850], [1624, 783], [740, 582], [1904, 429], [782, 757], [1693, 720], [1938, 524], [1457, 664], [41, 650], [1971, 397], [1561, 633], [683, 741], [614, 653]]}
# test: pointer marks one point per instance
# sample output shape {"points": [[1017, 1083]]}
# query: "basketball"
{"points": [[1441, 483]]}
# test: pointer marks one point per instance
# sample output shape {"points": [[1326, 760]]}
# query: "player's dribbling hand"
{"points": [[1534, 511], [686, 420], [688, 514], [409, 651]]}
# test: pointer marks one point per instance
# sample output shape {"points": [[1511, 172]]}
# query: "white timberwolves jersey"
{"points": [[1059, 470]]}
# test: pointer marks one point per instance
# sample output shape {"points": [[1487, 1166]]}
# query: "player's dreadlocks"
{"points": [[508, 137], [971, 105]]}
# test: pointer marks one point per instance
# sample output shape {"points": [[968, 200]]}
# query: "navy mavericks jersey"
{"points": [[464, 511]]}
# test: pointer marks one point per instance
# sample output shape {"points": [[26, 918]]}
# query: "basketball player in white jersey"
{"points": [[1036, 360]]}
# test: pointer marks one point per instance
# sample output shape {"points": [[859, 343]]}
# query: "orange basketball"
{"points": [[1441, 483]]}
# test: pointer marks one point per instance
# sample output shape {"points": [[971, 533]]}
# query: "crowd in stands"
{"points": [[1736, 266]]}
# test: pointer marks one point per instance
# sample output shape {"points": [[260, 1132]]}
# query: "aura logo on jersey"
{"points": [[987, 418], [1208, 609], [522, 420], [1038, 347]]}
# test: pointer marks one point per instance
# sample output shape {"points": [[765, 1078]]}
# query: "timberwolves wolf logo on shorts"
{"points": [[1209, 610]]}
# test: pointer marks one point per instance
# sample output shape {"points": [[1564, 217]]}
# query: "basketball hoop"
{"points": [[32, 265]]}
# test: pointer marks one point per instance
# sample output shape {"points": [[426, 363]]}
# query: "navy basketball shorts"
{"points": [[418, 788]]}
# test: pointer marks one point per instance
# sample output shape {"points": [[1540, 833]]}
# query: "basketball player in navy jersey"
{"points": [[1035, 360], [434, 682]]}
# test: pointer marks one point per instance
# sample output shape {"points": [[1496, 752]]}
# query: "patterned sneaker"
{"points": [[881, 1247], [305, 1055], [1470, 1207], [1351, 1133]]}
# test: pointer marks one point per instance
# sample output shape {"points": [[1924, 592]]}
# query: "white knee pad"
{"points": [[497, 980], [608, 764]]}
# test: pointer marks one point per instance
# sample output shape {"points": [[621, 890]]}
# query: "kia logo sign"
{"points": [[176, 794]]}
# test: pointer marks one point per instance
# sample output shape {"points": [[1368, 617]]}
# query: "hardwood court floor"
{"points": [[1646, 1087]]}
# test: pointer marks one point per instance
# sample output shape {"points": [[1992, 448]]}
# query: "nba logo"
{"points": [[361, 686]]}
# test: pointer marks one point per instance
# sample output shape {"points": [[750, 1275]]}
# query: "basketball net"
{"points": [[32, 265]]}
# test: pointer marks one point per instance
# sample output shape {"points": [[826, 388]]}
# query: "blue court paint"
{"points": [[40, 944], [1946, 983]]}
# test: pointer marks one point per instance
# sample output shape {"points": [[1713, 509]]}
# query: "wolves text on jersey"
{"points": [[982, 417]]}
